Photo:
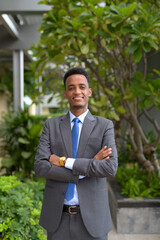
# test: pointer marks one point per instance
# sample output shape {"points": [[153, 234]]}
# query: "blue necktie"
{"points": [[75, 133]]}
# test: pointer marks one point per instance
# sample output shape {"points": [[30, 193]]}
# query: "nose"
{"points": [[77, 90]]}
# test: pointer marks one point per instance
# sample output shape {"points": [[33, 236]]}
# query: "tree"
{"points": [[109, 38]]}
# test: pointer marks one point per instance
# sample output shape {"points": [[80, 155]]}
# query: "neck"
{"points": [[78, 112]]}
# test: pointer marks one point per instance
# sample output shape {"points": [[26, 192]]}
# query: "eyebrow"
{"points": [[81, 84]]}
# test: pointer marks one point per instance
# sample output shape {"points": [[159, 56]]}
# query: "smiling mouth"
{"points": [[77, 98]]}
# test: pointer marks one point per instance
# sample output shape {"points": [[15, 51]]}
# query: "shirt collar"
{"points": [[81, 117]]}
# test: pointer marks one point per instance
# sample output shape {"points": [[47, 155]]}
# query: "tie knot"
{"points": [[76, 120]]}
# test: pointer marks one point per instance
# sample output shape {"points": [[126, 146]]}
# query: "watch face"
{"points": [[62, 159]]}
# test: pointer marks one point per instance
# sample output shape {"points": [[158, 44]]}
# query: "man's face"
{"points": [[77, 92]]}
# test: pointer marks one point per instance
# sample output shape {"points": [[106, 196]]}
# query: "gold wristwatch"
{"points": [[62, 161]]}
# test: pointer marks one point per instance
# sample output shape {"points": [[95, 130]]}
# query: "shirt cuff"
{"points": [[69, 163]]}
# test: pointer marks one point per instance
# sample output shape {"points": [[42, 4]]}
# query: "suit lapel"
{"points": [[65, 129], [88, 124]]}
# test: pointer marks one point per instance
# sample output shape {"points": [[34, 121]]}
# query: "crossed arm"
{"points": [[104, 163], [103, 154]]}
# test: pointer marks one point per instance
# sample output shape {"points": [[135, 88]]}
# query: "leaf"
{"points": [[147, 93], [120, 109], [32, 222], [23, 140], [133, 46], [116, 23], [148, 102], [113, 115], [128, 10], [50, 99], [35, 130], [110, 92], [99, 11], [114, 9], [154, 45], [156, 71], [95, 61], [85, 15], [138, 54], [61, 13], [103, 42], [30, 123], [157, 101], [151, 87], [146, 46], [85, 48], [26, 154]]}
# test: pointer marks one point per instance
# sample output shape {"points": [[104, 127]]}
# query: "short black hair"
{"points": [[75, 70]]}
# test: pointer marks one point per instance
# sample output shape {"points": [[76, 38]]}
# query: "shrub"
{"points": [[20, 134], [20, 209], [135, 182]]}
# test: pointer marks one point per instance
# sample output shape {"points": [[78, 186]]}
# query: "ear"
{"points": [[90, 92], [65, 94]]}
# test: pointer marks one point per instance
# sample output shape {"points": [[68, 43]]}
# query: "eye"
{"points": [[70, 88], [82, 87]]}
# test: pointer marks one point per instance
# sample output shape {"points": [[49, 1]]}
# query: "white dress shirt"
{"points": [[70, 161]]}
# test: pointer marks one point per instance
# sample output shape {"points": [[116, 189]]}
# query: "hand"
{"points": [[54, 159], [103, 154]]}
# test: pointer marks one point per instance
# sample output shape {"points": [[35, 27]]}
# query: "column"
{"points": [[18, 79], [39, 106]]}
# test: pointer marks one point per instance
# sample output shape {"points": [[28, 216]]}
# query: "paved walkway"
{"points": [[113, 235]]}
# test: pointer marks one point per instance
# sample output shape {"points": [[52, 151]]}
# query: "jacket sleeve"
{"points": [[42, 166], [91, 167]]}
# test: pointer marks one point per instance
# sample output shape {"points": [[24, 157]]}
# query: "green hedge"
{"points": [[20, 205]]}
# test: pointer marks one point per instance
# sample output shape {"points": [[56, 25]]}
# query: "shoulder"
{"points": [[103, 124], [99, 120], [54, 120], [102, 120]]}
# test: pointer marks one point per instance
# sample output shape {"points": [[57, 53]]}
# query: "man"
{"points": [[76, 153]]}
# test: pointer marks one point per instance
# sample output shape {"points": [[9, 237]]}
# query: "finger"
{"points": [[106, 158], [103, 149], [108, 151]]}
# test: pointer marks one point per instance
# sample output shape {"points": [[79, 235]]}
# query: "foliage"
{"points": [[135, 182], [109, 39], [5, 80], [6, 83], [31, 88], [20, 209], [20, 134]]}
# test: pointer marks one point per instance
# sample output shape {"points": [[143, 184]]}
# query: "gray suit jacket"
{"points": [[92, 190]]}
